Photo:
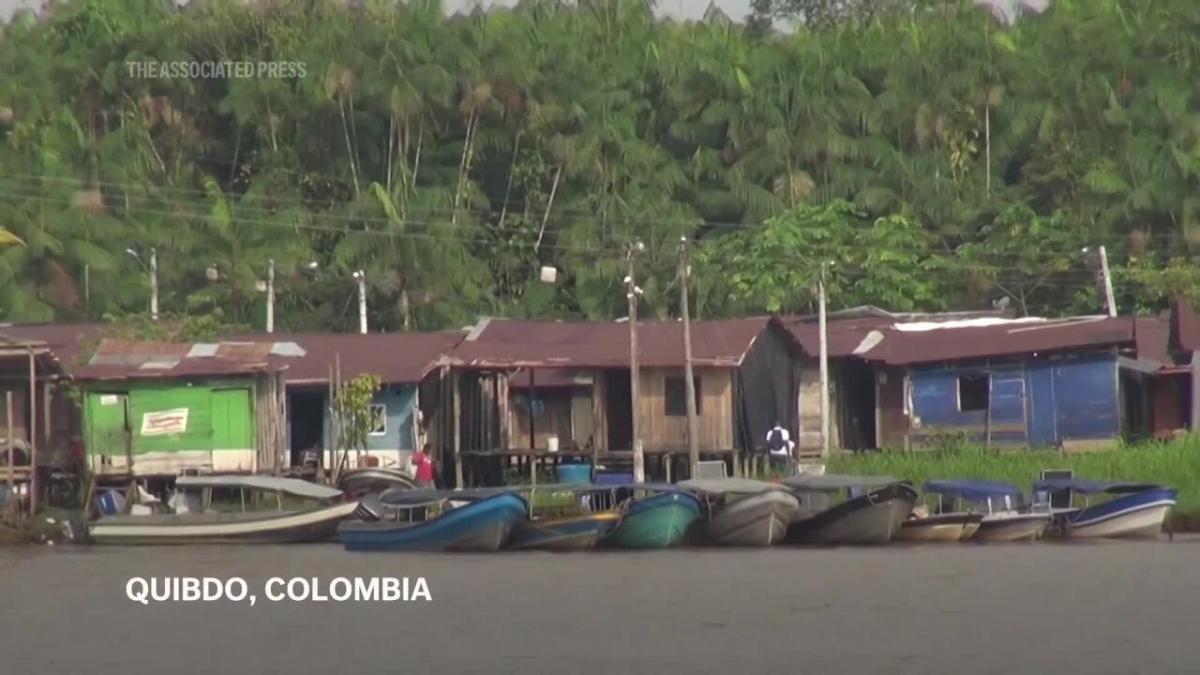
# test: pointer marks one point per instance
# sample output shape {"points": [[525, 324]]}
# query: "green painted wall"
{"points": [[198, 416]]}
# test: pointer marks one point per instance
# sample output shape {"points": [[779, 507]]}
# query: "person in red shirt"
{"points": [[422, 462]]}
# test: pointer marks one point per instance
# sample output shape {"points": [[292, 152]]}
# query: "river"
{"points": [[1039, 608]]}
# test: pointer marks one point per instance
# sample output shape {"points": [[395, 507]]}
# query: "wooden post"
{"points": [[458, 469], [693, 427], [33, 452], [824, 355], [12, 496], [1195, 419], [532, 400]]}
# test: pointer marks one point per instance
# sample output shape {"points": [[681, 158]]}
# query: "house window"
{"points": [[974, 391], [676, 398], [378, 419]]}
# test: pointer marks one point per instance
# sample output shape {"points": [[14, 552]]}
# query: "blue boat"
{"points": [[477, 520], [660, 519], [1133, 509]]}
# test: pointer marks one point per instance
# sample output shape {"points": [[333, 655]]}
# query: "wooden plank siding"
{"points": [[661, 432]]}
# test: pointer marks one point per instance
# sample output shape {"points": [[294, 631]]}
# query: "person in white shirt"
{"points": [[780, 445]]}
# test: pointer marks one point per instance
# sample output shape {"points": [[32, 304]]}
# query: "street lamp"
{"points": [[152, 270], [361, 278]]}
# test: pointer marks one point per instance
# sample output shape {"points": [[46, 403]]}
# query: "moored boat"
{"points": [[658, 519], [200, 524], [743, 512], [1003, 518], [438, 520], [562, 518], [1134, 510], [367, 480], [872, 513], [940, 527]]}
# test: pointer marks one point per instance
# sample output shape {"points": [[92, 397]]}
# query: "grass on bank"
{"points": [[1175, 464]]}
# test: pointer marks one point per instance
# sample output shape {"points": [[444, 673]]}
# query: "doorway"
{"points": [[619, 408], [306, 424], [856, 402]]}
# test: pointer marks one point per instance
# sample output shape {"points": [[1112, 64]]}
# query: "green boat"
{"points": [[658, 520]]}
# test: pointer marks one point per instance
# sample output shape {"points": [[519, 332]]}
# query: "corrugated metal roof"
{"points": [[507, 343], [900, 347], [396, 358], [125, 359]]}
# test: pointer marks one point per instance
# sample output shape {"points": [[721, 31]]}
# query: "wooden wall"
{"points": [[662, 432]]}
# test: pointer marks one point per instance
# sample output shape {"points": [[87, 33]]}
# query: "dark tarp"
{"points": [[766, 388]]}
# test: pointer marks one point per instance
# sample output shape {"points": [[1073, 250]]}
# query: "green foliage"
{"points": [[889, 261], [1176, 464], [451, 157], [352, 405]]}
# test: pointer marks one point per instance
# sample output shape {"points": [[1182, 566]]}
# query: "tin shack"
{"points": [[158, 409], [531, 387], [1031, 381]]}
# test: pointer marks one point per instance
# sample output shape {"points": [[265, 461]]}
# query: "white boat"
{"points": [[198, 525], [1134, 510], [744, 512], [1002, 519]]}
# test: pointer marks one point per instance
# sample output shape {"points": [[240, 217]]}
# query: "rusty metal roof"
{"points": [[396, 358], [909, 343], [125, 359], [66, 341], [507, 343]]}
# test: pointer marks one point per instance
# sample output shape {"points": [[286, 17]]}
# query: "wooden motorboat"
{"points": [[1133, 510], [871, 514], [364, 481], [570, 516], [941, 527], [207, 526], [655, 516], [743, 512], [437, 520], [1004, 520]]}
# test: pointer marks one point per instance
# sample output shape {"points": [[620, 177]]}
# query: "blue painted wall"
{"points": [[401, 405], [1039, 402]]}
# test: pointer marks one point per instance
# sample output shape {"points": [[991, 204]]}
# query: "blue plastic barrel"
{"points": [[575, 473], [110, 503]]}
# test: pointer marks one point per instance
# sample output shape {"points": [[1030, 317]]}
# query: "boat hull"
{"points": [[873, 518], [1138, 515], [577, 533], [657, 521], [483, 525], [1001, 527], [274, 528], [755, 520], [941, 528]]}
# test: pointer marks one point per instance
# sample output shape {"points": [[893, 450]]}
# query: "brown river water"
{"points": [[1034, 608]]}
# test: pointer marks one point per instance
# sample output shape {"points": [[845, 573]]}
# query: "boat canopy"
{"points": [[728, 485], [291, 486], [1091, 487], [833, 482], [972, 490]]}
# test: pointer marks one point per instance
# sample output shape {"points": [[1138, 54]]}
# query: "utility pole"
{"points": [[1109, 301], [154, 284], [631, 294], [824, 356], [685, 273], [271, 296], [361, 278]]}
